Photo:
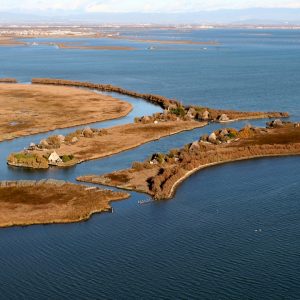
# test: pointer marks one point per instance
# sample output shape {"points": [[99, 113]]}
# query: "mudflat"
{"points": [[44, 202], [31, 109]]}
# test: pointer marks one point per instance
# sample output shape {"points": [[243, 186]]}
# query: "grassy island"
{"points": [[162, 173], [25, 203], [30, 109], [91, 143]]}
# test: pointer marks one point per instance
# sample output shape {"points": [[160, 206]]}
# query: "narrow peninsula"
{"points": [[162, 173]]}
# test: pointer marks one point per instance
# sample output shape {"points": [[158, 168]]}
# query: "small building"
{"points": [[54, 158], [223, 118], [194, 146], [32, 146], [191, 113], [212, 138]]}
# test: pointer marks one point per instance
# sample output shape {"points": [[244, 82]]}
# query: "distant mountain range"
{"points": [[267, 16]]}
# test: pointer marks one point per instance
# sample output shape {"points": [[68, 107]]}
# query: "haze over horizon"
{"points": [[155, 11]]}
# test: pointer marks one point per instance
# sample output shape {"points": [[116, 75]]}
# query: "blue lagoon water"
{"points": [[231, 232]]}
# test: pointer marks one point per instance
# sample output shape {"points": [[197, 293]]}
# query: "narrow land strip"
{"points": [[172, 105], [25, 203], [161, 175]]}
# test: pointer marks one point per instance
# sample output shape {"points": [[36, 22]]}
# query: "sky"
{"points": [[147, 6]]}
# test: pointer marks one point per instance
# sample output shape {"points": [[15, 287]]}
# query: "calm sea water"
{"points": [[231, 232]]}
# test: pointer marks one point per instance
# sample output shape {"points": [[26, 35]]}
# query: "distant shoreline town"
{"points": [[111, 30]]}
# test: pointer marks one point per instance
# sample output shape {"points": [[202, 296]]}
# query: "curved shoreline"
{"points": [[190, 173], [163, 102], [177, 184], [163, 173]]}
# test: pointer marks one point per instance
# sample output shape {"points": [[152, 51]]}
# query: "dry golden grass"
{"points": [[30, 109], [45, 203], [124, 137], [10, 41]]}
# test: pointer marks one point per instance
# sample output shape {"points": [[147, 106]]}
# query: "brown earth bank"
{"points": [[174, 106], [162, 173], [49, 201], [89, 143], [31, 109]]}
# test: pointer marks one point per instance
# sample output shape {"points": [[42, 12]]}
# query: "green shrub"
{"points": [[21, 156], [160, 158], [66, 158], [231, 135], [179, 111]]}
